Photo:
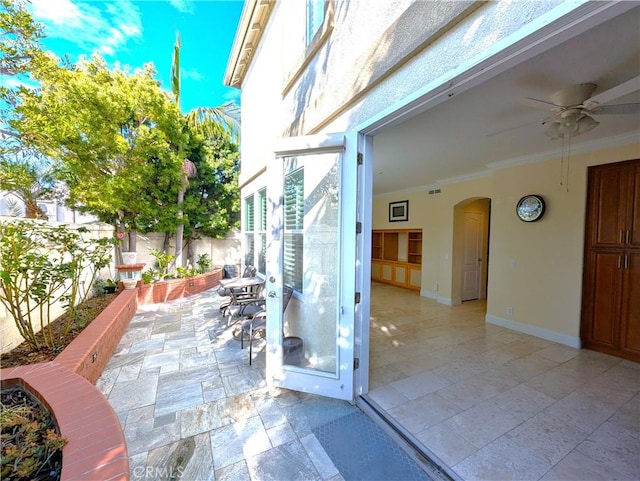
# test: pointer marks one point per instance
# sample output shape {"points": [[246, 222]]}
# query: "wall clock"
{"points": [[530, 208]]}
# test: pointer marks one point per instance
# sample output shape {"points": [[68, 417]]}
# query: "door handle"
{"points": [[272, 294]]}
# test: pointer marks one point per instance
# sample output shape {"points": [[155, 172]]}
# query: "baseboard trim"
{"points": [[448, 301], [429, 294], [540, 332]]}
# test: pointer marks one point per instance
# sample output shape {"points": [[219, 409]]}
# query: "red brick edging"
{"points": [[96, 447]]}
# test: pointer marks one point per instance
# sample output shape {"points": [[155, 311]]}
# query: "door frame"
{"points": [[340, 385], [552, 29]]}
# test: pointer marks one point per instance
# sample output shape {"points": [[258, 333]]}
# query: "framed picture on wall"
{"points": [[399, 211]]}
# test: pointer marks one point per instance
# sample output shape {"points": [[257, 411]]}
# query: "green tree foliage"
{"points": [[20, 38], [211, 122], [29, 181], [212, 201], [19, 50], [117, 134]]}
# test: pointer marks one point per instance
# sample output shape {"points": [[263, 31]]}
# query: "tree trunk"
{"points": [[133, 238], [179, 230], [32, 211], [166, 243], [190, 251]]}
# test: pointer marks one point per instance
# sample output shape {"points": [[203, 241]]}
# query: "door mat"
{"points": [[362, 451]]}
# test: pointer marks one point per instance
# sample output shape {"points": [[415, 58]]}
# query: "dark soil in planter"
{"points": [[85, 313], [31, 442]]}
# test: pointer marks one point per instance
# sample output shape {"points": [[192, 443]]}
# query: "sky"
{"points": [[136, 32]]}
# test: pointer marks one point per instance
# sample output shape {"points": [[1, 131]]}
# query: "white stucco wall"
{"points": [[342, 87]]}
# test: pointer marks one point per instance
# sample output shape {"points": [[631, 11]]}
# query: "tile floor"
{"points": [[192, 408], [495, 404]]}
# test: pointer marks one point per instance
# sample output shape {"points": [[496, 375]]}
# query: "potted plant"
{"points": [[110, 286], [129, 283], [104, 286]]}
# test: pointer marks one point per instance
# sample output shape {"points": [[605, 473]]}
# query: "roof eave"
{"points": [[253, 20]]}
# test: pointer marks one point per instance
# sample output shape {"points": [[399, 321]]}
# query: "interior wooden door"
{"points": [[472, 255], [611, 286]]}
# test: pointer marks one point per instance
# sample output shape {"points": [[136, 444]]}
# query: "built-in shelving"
{"points": [[397, 257]]}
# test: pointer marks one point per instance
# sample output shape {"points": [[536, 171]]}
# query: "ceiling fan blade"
{"points": [[625, 88], [617, 109], [543, 102]]}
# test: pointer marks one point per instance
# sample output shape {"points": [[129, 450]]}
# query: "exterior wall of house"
{"points": [[417, 43], [379, 53], [534, 268], [352, 78]]}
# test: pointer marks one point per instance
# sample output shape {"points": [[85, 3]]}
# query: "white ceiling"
{"points": [[495, 122]]}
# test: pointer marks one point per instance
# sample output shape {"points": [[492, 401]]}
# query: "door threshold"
{"points": [[427, 460]]}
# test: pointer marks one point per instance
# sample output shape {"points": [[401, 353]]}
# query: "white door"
{"points": [[311, 246], [472, 255]]}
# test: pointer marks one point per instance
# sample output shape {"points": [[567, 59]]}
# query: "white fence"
{"points": [[221, 251]]}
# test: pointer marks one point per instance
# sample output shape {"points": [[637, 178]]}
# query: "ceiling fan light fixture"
{"points": [[554, 131], [586, 123]]}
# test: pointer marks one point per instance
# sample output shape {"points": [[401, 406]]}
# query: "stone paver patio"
{"points": [[192, 408]]}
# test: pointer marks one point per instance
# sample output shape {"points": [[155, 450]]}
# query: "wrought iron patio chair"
{"points": [[258, 322], [245, 304], [235, 294]]}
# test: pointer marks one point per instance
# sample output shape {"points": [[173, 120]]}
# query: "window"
{"points": [[255, 230], [293, 228], [249, 223], [315, 17], [262, 232]]}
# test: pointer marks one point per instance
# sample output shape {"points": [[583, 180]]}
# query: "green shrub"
{"points": [[204, 263], [41, 265]]}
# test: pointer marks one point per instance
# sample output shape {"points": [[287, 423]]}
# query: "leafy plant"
{"points": [[101, 286], [186, 271], [163, 261], [31, 447], [204, 263], [149, 276], [98, 287], [41, 265]]}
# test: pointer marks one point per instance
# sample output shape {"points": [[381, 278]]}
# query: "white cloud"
{"points": [[11, 82], [184, 6], [186, 73], [91, 28]]}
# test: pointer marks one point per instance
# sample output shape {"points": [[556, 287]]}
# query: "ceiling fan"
{"points": [[575, 107]]}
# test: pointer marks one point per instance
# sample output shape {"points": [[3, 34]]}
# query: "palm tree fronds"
{"points": [[216, 120]]}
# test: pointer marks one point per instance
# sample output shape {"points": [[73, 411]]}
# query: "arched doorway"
{"points": [[471, 248]]}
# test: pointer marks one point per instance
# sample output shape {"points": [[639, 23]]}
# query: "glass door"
{"points": [[311, 265]]}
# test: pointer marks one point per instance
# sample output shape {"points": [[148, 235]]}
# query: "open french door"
{"points": [[311, 247]]}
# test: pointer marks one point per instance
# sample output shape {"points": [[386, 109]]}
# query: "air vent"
{"points": [[433, 191]]}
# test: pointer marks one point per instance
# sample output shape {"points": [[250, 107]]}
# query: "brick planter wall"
{"points": [[176, 288], [96, 448], [90, 351]]}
